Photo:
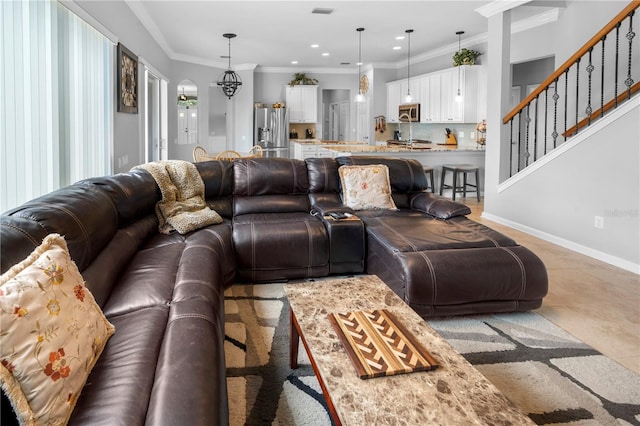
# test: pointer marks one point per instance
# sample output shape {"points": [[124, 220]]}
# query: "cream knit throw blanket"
{"points": [[182, 207]]}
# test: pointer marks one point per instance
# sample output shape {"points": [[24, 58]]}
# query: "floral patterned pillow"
{"points": [[51, 334], [366, 187]]}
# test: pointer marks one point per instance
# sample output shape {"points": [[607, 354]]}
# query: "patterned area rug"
{"points": [[550, 375]]}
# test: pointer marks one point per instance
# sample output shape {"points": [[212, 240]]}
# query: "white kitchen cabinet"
{"points": [[302, 102], [436, 93], [303, 151], [396, 94], [394, 98], [429, 98], [452, 111]]}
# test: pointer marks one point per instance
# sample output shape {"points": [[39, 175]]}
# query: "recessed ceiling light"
{"points": [[359, 63], [325, 54], [322, 11], [294, 62], [315, 46], [400, 38], [397, 47]]}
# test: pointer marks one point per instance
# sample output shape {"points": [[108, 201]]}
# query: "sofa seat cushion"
{"points": [[273, 246], [118, 389], [191, 360], [452, 267], [413, 232], [151, 276]]}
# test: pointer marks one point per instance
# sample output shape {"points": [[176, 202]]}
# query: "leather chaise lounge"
{"points": [[164, 294]]}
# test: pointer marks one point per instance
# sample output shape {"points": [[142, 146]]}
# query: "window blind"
{"points": [[56, 108]]}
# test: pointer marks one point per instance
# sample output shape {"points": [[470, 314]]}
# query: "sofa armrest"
{"points": [[436, 206], [324, 207]]}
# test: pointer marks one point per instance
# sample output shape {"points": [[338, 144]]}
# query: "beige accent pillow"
{"points": [[366, 187], [51, 334]]}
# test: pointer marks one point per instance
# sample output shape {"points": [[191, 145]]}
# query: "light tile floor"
{"points": [[596, 302]]}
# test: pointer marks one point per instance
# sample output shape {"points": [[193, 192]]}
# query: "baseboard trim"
{"points": [[587, 251]]}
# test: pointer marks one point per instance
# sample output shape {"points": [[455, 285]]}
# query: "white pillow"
{"points": [[52, 333], [366, 187]]}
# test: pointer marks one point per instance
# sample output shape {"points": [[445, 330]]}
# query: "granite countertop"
{"points": [[360, 147], [417, 147], [325, 142], [455, 393]]}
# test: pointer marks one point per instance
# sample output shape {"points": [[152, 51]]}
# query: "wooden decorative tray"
{"points": [[378, 345]]}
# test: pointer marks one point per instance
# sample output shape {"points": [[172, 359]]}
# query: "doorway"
{"points": [[336, 115], [155, 117], [339, 121]]}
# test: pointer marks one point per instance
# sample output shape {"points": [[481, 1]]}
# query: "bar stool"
{"points": [[429, 172], [456, 170]]}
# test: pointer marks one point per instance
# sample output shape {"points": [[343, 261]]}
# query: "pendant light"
{"points": [[359, 97], [458, 97], [182, 97], [229, 82], [408, 99]]}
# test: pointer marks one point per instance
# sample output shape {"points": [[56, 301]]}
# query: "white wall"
{"points": [[598, 177]]}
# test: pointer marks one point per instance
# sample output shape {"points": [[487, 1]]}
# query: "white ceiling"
{"points": [[271, 34]]}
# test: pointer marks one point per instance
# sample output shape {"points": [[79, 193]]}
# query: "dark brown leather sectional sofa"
{"points": [[164, 293]]}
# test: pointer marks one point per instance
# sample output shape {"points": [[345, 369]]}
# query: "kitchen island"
{"points": [[428, 154]]}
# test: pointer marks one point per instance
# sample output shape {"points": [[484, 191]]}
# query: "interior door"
{"points": [[155, 117]]}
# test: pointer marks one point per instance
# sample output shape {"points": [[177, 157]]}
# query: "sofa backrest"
{"points": [[270, 185], [324, 181], [406, 175], [217, 176], [82, 213]]}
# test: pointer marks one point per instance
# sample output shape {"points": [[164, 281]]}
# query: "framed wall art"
{"points": [[127, 80]]}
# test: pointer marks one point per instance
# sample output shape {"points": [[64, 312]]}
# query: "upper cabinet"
{"points": [[302, 103], [429, 98], [396, 95], [394, 98], [436, 93]]}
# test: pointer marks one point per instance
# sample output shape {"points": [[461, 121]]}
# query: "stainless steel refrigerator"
{"points": [[271, 130]]}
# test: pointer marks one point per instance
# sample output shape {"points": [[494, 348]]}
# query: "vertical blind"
{"points": [[56, 112]]}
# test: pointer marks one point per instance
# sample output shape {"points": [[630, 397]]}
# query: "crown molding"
{"points": [[499, 6], [543, 18], [140, 12]]}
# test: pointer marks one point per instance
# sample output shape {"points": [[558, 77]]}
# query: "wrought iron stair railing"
{"points": [[541, 122]]}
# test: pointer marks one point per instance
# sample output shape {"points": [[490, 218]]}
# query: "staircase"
{"points": [[573, 97]]}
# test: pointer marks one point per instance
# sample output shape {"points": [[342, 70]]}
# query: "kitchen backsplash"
{"points": [[300, 129], [436, 133]]}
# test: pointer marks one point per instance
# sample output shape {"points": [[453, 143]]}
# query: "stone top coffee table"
{"points": [[453, 394]]}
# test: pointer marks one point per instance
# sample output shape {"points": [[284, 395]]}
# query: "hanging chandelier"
{"points": [[458, 97], [182, 97], [408, 99], [230, 81], [360, 96]]}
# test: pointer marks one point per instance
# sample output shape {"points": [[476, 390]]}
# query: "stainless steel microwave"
{"points": [[409, 112]]}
